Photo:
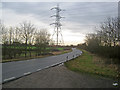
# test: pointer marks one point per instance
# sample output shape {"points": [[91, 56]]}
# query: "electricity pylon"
{"points": [[57, 28]]}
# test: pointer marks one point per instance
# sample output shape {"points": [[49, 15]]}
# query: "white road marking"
{"points": [[61, 64], [38, 69], [9, 79], [27, 73], [54, 64], [47, 66], [115, 84]]}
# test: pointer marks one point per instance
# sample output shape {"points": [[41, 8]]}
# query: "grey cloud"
{"points": [[85, 13], [82, 29], [91, 12]]}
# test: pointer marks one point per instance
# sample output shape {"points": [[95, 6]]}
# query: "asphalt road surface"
{"points": [[13, 70], [59, 77]]}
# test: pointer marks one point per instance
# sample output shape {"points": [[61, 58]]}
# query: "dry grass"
{"points": [[102, 62], [89, 63]]}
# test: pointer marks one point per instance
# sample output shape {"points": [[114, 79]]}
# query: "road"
{"points": [[13, 70], [60, 77]]}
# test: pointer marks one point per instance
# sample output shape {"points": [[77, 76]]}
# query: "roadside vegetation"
{"points": [[33, 55], [105, 43], [26, 41], [92, 64], [100, 51]]}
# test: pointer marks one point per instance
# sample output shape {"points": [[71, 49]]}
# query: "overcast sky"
{"points": [[80, 17]]}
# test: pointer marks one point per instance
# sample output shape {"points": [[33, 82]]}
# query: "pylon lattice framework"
{"points": [[57, 28]]}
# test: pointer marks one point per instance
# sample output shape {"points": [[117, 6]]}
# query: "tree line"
{"points": [[106, 40], [24, 39]]}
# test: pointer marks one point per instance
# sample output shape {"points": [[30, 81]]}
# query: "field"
{"points": [[29, 47], [32, 54]]}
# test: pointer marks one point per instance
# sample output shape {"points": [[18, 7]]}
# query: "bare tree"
{"points": [[17, 35], [42, 40], [27, 29], [109, 32], [118, 29], [3, 31], [10, 35]]}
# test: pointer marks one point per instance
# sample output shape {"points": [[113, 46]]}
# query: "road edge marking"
{"points": [[38, 69], [9, 79], [27, 73]]}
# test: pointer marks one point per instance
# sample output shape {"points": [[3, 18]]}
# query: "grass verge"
{"points": [[87, 63]]}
